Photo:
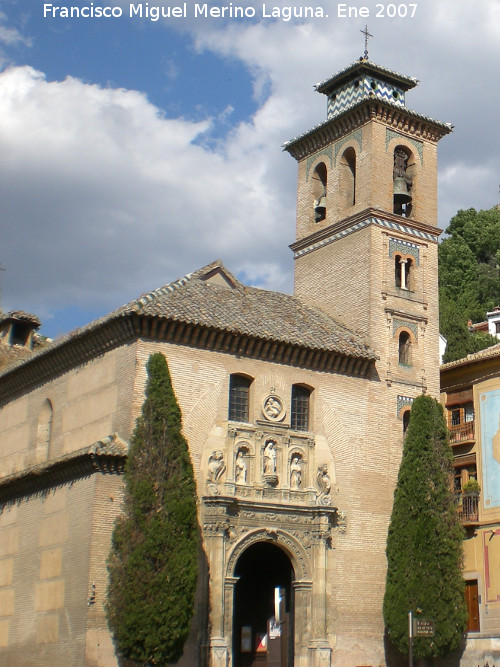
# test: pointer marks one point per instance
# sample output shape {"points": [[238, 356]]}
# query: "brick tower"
{"points": [[366, 253], [366, 241]]}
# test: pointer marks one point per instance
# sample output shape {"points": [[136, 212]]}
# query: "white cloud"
{"points": [[104, 198]]}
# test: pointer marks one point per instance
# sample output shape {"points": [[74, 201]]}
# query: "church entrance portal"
{"points": [[263, 608]]}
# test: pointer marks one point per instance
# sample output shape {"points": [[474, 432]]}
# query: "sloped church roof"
{"points": [[210, 309]]}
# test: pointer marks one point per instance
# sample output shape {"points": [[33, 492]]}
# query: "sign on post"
{"points": [[423, 628]]}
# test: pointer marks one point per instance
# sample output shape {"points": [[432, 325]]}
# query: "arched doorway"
{"points": [[264, 573]]}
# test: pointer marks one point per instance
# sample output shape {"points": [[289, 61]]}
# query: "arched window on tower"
{"points": [[404, 348], [406, 420], [319, 181], [403, 272], [44, 430], [348, 177], [403, 181]]}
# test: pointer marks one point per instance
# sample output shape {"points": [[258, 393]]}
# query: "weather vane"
{"points": [[366, 34]]}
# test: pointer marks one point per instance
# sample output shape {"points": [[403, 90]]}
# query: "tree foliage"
{"points": [[424, 544], [153, 562], [469, 279]]}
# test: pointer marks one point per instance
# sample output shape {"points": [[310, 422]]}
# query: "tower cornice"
{"points": [[400, 119], [370, 216]]}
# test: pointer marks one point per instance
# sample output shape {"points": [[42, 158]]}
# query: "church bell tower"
{"points": [[366, 235]]}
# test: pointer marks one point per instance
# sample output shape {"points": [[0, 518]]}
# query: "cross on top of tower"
{"points": [[366, 34]]}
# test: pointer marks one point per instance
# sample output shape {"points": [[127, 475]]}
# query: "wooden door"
{"points": [[472, 599]]}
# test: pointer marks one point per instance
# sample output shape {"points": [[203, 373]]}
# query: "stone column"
{"points": [[215, 547], [302, 621], [320, 652]]}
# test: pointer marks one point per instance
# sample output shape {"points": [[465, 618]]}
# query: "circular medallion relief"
{"points": [[273, 408]]}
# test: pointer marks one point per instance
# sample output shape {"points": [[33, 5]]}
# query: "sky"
{"points": [[134, 151]]}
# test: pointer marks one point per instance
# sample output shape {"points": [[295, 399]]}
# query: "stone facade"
{"points": [[293, 408]]}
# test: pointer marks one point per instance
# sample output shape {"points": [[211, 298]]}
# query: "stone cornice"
{"points": [[105, 336], [235, 505], [401, 120], [370, 216], [106, 456]]}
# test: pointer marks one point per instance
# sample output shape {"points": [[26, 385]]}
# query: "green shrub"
{"points": [[153, 564], [424, 544]]}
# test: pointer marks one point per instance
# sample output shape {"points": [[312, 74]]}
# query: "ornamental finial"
{"points": [[366, 34]]}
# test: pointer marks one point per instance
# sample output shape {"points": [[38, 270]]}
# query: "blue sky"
{"points": [[133, 151]]}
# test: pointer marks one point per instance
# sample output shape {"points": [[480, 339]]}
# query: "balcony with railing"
{"points": [[460, 433], [468, 508]]}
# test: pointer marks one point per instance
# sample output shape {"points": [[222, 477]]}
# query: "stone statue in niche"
{"points": [[270, 458], [295, 472], [216, 468], [240, 468], [324, 485]]}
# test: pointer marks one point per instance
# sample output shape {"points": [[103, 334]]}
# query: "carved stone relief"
{"points": [[324, 486], [216, 468], [273, 408]]}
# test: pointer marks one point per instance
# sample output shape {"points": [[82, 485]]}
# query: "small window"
{"points": [[455, 417], [300, 408], [497, 327], [468, 412], [404, 348], [402, 181], [239, 398], [406, 420], [347, 180], [319, 183], [403, 271]]}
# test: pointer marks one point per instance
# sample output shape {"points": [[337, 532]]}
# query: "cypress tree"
{"points": [[153, 563], [424, 545]]}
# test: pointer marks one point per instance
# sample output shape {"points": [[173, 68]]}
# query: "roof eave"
{"points": [[359, 114]]}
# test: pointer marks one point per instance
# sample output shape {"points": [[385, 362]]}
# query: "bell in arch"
{"points": [[320, 209], [401, 194]]}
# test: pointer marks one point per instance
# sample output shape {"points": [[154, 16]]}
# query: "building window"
{"points": [[405, 348], [347, 182], [406, 420], [403, 271], [461, 423], [299, 420], [319, 181], [402, 181], [239, 398], [497, 327]]}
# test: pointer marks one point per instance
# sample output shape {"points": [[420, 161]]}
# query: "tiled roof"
{"points": [[445, 128], [488, 353], [21, 315], [13, 354], [249, 311], [363, 64], [213, 310]]}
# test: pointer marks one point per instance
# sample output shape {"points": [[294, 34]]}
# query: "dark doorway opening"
{"points": [[262, 569]]}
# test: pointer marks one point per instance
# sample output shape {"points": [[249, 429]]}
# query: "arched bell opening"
{"points": [[318, 190], [347, 181], [263, 616], [403, 181]]}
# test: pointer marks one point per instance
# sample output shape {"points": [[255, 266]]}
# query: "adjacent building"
{"points": [[471, 396]]}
